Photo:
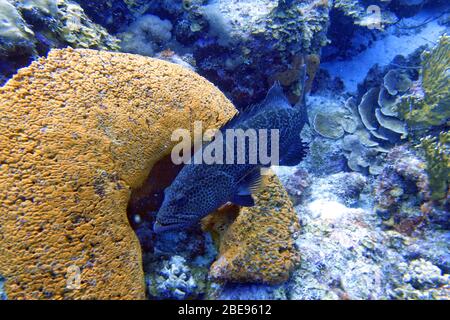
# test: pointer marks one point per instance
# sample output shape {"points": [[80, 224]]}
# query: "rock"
{"points": [[15, 34], [340, 253], [401, 190], [30, 28], [249, 44], [422, 280], [342, 187]]}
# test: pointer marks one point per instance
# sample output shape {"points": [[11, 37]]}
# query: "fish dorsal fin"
{"points": [[254, 180], [248, 185], [275, 99]]}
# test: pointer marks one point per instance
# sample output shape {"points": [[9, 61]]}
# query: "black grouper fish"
{"points": [[199, 189]]}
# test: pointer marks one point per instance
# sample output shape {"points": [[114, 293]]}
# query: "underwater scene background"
{"points": [[91, 92]]}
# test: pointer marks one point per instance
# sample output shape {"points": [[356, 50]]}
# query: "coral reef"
{"points": [[256, 243], [363, 154], [80, 130], [378, 108], [325, 269], [346, 254], [331, 188], [365, 15], [86, 141], [296, 183], [146, 35], [367, 130], [186, 60], [238, 45], [437, 156], [238, 291], [111, 14], [428, 105], [351, 243], [248, 43], [335, 118], [178, 264], [295, 24], [401, 189], [63, 23], [33, 27], [15, 35], [325, 157], [433, 246], [421, 280]]}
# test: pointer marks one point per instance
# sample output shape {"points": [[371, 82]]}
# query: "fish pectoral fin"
{"points": [[243, 190], [248, 185], [243, 200], [254, 180], [295, 154]]}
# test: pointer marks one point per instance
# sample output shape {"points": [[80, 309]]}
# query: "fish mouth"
{"points": [[160, 228]]}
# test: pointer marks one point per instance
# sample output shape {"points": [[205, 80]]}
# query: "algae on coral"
{"points": [[437, 156], [432, 107]]}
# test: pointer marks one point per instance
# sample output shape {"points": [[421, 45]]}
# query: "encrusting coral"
{"points": [[402, 190], [256, 244], [80, 130]]}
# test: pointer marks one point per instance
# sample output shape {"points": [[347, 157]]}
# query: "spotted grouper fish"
{"points": [[199, 189]]}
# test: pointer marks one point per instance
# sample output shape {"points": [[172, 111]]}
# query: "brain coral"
{"points": [[79, 131], [256, 244]]}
